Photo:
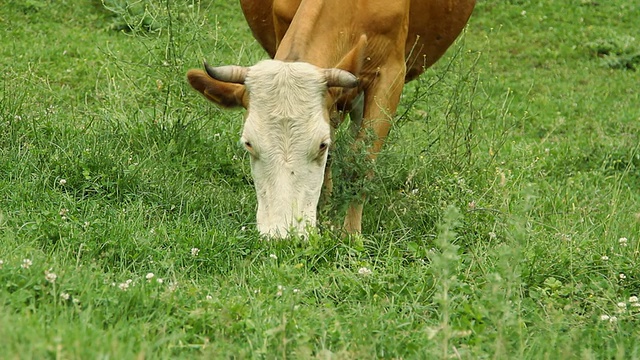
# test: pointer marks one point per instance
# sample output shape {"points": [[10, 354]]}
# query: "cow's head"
{"points": [[286, 132]]}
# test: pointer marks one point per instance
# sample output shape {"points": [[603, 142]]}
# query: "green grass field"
{"points": [[504, 221]]}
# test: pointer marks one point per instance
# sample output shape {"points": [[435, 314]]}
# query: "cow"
{"points": [[329, 58]]}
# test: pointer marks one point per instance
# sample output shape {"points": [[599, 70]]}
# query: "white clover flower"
{"points": [[604, 317], [194, 251], [49, 276], [364, 271], [295, 291], [633, 299], [280, 290], [613, 319], [124, 286], [492, 235], [26, 263], [159, 280], [273, 256], [604, 258], [149, 276], [1, 263], [622, 241], [62, 182], [65, 296], [209, 297], [623, 276], [622, 304]]}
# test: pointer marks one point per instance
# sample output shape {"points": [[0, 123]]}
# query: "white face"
{"points": [[287, 133]]}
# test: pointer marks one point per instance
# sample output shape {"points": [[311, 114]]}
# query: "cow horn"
{"points": [[340, 78], [228, 73]]}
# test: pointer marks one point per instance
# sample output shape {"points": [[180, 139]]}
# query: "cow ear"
{"points": [[228, 95]]}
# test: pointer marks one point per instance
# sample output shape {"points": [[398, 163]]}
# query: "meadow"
{"points": [[503, 222]]}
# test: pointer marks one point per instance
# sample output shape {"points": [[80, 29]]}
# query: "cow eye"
{"points": [[247, 144], [323, 146], [249, 147]]}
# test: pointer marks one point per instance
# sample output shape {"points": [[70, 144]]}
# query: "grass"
{"points": [[504, 223]]}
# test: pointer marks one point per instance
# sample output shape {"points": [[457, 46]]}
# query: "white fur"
{"points": [[286, 123]]}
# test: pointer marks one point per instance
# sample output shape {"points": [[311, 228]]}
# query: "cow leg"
{"points": [[380, 103], [356, 114]]}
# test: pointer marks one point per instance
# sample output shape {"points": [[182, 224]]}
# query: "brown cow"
{"points": [[330, 57]]}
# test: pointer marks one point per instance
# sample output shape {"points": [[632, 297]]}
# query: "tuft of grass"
{"points": [[135, 16], [617, 52]]}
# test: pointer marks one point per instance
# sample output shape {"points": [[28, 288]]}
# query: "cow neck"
{"points": [[307, 39]]}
